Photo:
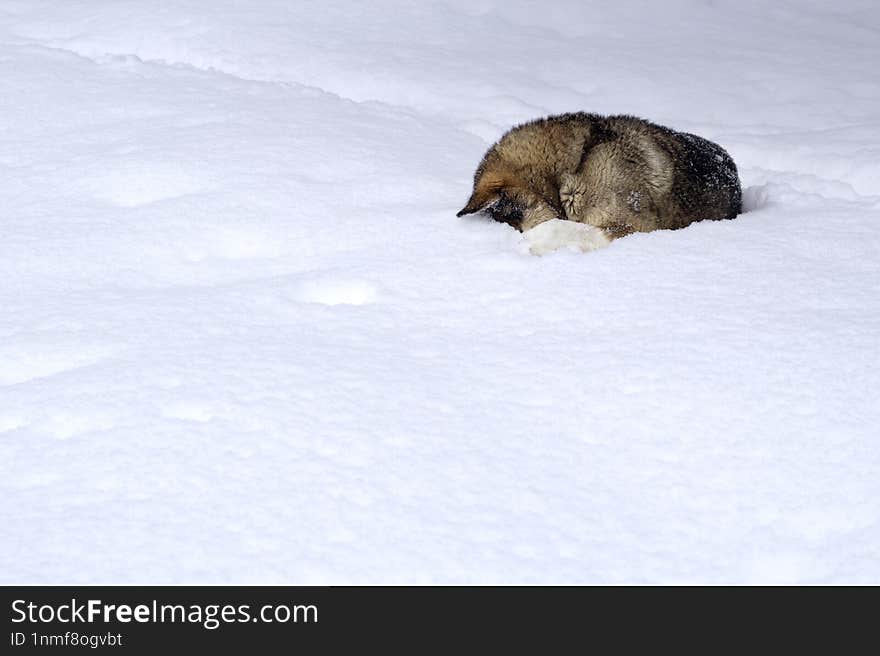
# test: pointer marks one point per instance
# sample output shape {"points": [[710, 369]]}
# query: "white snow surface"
{"points": [[244, 338]]}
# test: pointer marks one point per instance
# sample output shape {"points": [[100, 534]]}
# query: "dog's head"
{"points": [[507, 199]]}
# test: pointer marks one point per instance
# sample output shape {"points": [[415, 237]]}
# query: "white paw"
{"points": [[556, 233]]}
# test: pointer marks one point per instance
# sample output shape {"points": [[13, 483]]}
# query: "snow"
{"points": [[554, 234], [246, 340]]}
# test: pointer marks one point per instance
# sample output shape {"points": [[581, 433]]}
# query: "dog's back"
{"points": [[704, 180]]}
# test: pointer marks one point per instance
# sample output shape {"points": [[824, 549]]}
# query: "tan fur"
{"points": [[620, 174]]}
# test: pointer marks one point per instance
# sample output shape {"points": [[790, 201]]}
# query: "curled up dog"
{"points": [[613, 175]]}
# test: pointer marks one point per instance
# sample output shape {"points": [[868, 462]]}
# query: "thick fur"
{"points": [[621, 174]]}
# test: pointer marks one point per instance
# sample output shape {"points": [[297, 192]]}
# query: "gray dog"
{"points": [[618, 174]]}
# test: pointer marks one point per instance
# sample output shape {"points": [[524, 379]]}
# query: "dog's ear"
{"points": [[479, 200], [486, 191]]}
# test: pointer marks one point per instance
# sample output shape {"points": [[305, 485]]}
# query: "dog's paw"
{"points": [[571, 191], [556, 233]]}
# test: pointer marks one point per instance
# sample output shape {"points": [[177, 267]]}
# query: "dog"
{"points": [[616, 174]]}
